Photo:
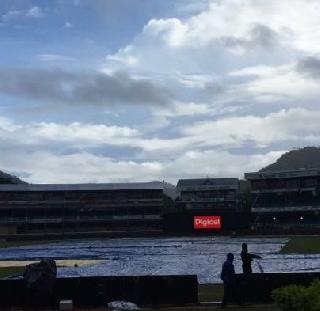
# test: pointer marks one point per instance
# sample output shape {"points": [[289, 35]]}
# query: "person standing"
{"points": [[228, 277], [247, 259]]}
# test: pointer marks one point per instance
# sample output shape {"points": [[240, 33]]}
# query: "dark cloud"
{"points": [[309, 66], [263, 36], [65, 87], [215, 88], [259, 36]]}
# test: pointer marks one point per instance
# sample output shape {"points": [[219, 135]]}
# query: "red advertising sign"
{"points": [[207, 222]]}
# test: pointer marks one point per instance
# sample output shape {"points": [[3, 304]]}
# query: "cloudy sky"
{"points": [[139, 90]]}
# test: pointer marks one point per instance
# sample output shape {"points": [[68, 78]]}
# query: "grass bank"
{"points": [[210, 292], [5, 244], [213, 293], [302, 245]]}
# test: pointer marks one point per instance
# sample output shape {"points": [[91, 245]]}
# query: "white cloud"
{"points": [[35, 12], [216, 40], [296, 20], [297, 126], [194, 80], [77, 134], [217, 163], [179, 109], [87, 132], [67, 25], [123, 57], [272, 83], [232, 80], [6, 125], [168, 159], [258, 71], [11, 15], [227, 61], [162, 116], [82, 167]]}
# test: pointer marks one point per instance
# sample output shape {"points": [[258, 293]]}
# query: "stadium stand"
{"points": [[286, 200], [82, 207]]}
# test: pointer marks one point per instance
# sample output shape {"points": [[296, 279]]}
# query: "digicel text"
{"points": [[207, 222]]}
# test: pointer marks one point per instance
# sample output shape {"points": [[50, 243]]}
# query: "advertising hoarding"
{"points": [[206, 222]]}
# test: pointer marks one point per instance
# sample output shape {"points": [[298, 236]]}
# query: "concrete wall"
{"points": [[98, 291]]}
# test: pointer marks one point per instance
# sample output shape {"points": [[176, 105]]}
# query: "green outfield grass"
{"points": [[302, 245], [213, 293], [10, 271], [4, 244], [210, 292]]}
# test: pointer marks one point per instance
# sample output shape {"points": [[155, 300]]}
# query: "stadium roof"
{"points": [[81, 187], [283, 174], [168, 189], [208, 182]]}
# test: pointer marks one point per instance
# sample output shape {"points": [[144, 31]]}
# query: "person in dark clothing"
{"points": [[247, 259], [228, 277]]}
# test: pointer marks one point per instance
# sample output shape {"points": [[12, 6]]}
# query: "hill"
{"points": [[10, 179], [304, 158]]}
